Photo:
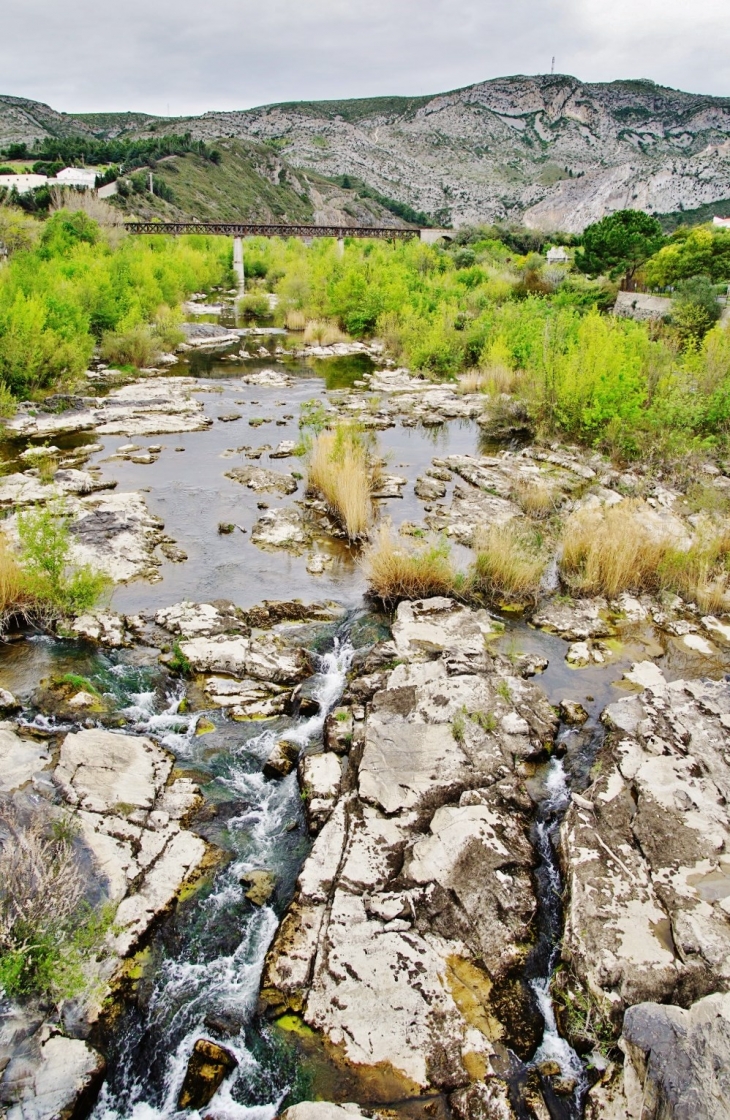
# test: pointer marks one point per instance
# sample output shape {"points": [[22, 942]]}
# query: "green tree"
{"points": [[695, 309], [620, 243]]}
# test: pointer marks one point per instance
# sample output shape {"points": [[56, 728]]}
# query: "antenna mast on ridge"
{"points": [[552, 68]]}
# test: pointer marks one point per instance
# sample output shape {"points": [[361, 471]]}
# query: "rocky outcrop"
{"points": [[645, 852], [263, 481], [51, 1078], [130, 819], [418, 894], [143, 408], [676, 1065]]}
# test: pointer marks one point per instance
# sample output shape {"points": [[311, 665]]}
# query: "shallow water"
{"points": [[206, 959]]}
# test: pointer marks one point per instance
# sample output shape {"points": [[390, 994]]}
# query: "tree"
{"points": [[619, 243], [695, 309]]}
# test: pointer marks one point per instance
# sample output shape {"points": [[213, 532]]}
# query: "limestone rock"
{"points": [[202, 619], [282, 759], [576, 620], [105, 627], [61, 1085], [280, 528], [647, 874], [208, 1067], [20, 759], [430, 826], [267, 658], [260, 886], [323, 1110], [8, 703], [99, 770], [263, 481], [678, 1062], [427, 627], [429, 489]]}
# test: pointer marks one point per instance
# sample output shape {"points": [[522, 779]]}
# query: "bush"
{"points": [[49, 935], [49, 584], [255, 305], [395, 572], [136, 346]]}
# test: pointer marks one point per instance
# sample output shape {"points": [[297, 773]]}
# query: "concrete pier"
{"points": [[238, 262]]}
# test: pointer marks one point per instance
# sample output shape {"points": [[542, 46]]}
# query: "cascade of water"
{"points": [[206, 977]]}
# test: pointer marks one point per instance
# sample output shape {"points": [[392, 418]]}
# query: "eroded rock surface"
{"points": [[647, 870], [417, 896]]}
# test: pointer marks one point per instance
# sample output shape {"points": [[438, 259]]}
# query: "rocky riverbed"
{"points": [[448, 863]]}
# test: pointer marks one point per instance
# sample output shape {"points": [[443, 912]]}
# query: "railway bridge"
{"points": [[239, 230]]}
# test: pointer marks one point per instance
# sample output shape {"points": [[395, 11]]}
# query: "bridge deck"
{"points": [[253, 229]]}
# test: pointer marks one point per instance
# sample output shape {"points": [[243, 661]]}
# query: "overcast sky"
{"points": [[186, 56]]}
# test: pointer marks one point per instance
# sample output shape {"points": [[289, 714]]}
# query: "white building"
{"points": [[558, 255], [77, 177], [23, 183], [723, 222]]}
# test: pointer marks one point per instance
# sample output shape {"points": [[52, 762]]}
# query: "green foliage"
{"points": [[254, 305], [54, 584], [75, 287], [179, 663], [82, 684], [619, 243], [695, 309], [703, 251]]}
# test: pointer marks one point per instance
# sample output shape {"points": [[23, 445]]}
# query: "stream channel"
{"points": [[202, 967]]}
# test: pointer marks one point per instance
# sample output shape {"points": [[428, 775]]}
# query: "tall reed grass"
{"points": [[508, 564], [342, 470]]}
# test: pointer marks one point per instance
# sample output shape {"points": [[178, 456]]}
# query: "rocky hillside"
{"points": [[547, 150]]}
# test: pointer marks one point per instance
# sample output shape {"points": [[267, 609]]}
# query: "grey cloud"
{"points": [[222, 54]]}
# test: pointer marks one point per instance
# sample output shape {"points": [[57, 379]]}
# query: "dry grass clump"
{"points": [[473, 381], [508, 565], [323, 332], [701, 573], [395, 571], [534, 497], [608, 550], [342, 470], [295, 320], [499, 379]]}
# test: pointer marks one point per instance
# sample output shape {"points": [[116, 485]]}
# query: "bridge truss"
{"points": [[252, 229]]}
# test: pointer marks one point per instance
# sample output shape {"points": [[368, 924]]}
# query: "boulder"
{"points": [[100, 770], [282, 759], [105, 627], [576, 620], [208, 1067], [193, 620], [260, 886], [323, 1110]]}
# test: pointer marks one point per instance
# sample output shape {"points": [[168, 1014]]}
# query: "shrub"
{"points": [[48, 934], [395, 572], [255, 305], [136, 346], [53, 586], [342, 470], [508, 565]]}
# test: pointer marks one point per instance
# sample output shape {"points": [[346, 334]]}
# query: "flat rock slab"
{"points": [[263, 481], [470, 510], [202, 619], [426, 627], [99, 770], [266, 658], [576, 620]]}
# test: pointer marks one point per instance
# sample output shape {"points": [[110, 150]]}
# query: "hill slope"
{"points": [[547, 150], [550, 150]]}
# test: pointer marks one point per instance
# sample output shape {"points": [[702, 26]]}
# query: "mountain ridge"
{"points": [[547, 150]]}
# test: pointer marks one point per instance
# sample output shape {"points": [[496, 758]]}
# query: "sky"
{"points": [[183, 57]]}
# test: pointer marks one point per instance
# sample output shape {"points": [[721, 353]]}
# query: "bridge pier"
{"points": [[340, 246], [238, 262]]}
